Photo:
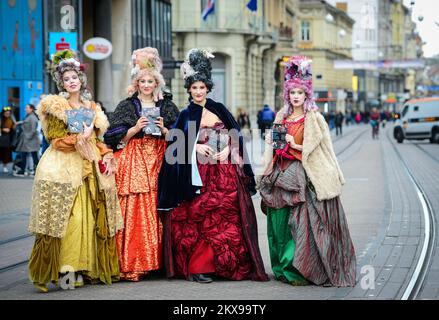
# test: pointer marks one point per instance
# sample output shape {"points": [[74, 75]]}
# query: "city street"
{"points": [[385, 209]]}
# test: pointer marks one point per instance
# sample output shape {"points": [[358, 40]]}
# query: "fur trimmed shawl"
{"points": [[56, 106], [318, 156], [127, 114], [60, 174]]}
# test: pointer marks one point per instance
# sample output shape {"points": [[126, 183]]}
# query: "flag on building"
{"points": [[210, 7], [253, 5]]}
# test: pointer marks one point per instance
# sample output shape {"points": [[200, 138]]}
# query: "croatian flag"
{"points": [[210, 7], [253, 5]]}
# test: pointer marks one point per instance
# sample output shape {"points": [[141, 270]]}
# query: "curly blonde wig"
{"points": [[146, 61]]}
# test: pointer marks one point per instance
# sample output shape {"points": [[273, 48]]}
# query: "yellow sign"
{"points": [[305, 45], [98, 48], [355, 83]]}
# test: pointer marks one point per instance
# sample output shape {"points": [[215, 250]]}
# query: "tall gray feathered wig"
{"points": [[197, 67]]}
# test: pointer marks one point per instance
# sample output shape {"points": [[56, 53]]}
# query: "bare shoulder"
{"points": [[209, 119]]}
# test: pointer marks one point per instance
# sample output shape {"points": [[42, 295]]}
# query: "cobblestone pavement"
{"points": [[382, 208]]}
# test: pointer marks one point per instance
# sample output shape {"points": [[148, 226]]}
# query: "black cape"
{"points": [[175, 180], [175, 186]]}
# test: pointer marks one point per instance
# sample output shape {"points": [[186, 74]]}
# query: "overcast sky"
{"points": [[428, 29]]}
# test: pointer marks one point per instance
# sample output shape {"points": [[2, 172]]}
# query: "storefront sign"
{"points": [[98, 48], [61, 41]]}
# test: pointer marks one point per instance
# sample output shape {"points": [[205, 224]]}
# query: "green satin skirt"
{"points": [[282, 246]]}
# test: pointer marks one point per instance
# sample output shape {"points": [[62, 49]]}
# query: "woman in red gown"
{"points": [[210, 226]]}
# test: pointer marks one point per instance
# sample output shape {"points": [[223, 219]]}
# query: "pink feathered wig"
{"points": [[146, 61], [298, 75]]}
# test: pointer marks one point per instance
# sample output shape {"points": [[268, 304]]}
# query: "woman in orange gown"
{"points": [[139, 154]]}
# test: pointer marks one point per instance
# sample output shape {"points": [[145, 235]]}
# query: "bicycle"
{"points": [[375, 129]]}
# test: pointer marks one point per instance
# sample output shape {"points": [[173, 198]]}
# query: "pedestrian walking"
{"points": [[383, 118], [338, 120], [243, 120], [266, 118], [375, 123], [308, 234], [139, 155], [358, 118], [75, 213], [29, 143], [210, 221], [7, 126], [331, 120]]}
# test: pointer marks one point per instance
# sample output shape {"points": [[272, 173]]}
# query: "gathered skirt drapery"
{"points": [[323, 250], [86, 247], [140, 243]]}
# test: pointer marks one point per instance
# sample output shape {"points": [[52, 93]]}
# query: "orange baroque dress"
{"points": [[139, 162]]}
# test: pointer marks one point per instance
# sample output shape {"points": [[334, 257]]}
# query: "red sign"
{"points": [[62, 45]]}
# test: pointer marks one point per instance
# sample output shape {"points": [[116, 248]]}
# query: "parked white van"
{"points": [[419, 120]]}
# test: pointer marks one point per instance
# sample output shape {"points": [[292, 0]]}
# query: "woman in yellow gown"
{"points": [[75, 213]]}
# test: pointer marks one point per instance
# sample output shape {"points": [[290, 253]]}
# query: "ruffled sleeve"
{"points": [[121, 120], [58, 135], [170, 113]]}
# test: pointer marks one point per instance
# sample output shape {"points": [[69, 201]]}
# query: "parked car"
{"points": [[419, 120]]}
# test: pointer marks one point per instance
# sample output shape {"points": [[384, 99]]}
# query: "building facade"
{"points": [[326, 35], [249, 47], [365, 47], [392, 18], [413, 50], [128, 25], [21, 54], [31, 31], [384, 31]]}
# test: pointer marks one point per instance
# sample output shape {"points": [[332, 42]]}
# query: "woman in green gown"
{"points": [[308, 233]]}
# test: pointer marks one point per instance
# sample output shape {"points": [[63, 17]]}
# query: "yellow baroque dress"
{"points": [[75, 213]]}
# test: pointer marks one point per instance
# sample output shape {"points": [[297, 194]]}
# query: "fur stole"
{"points": [[56, 106]]}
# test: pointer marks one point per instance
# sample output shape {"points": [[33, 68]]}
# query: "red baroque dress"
{"points": [[207, 232], [209, 218]]}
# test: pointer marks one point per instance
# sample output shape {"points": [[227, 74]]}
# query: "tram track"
{"points": [[16, 264], [426, 152], [419, 274], [340, 137], [13, 266], [357, 137], [24, 236]]}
